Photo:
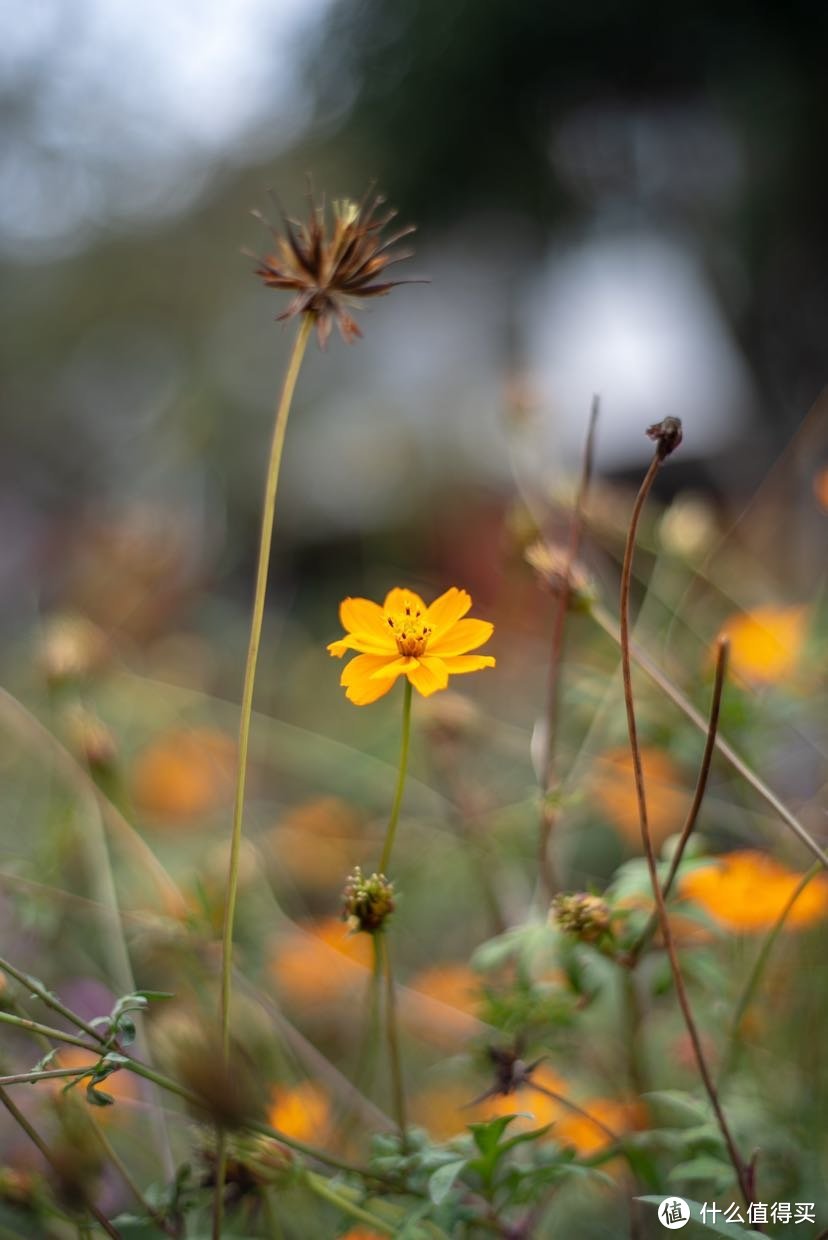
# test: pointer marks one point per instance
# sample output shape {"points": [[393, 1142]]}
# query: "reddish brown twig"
{"points": [[667, 435], [722, 654]]}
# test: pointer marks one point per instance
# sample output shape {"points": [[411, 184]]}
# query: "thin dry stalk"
{"points": [[549, 811], [663, 447], [722, 654]]}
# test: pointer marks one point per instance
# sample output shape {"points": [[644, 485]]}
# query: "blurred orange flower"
{"points": [[184, 773], [747, 891], [122, 1085], [404, 637], [456, 989], [320, 962], [589, 1136], [300, 1111], [766, 644], [612, 785], [314, 842]]}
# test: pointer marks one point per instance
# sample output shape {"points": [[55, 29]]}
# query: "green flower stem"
{"points": [[266, 537], [392, 1035], [46, 1031], [35, 987], [752, 983], [391, 830], [23, 1078], [320, 1186]]}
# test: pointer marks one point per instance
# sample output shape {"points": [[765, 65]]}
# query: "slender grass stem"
{"points": [[392, 1036], [126, 1175], [265, 540], [51, 1074], [549, 812], [47, 1154], [35, 987], [394, 818], [648, 665], [755, 976], [741, 1171], [722, 652]]}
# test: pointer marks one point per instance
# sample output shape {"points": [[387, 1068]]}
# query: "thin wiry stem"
{"points": [[126, 1175], [392, 1036], [759, 965], [648, 665], [742, 1173], [722, 653], [47, 1154], [549, 812], [266, 538], [36, 987], [394, 818], [257, 618]]}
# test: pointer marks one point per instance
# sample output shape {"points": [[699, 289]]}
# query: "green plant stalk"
{"points": [[126, 1175], [392, 1037], [46, 1031], [755, 977], [394, 818], [266, 538], [320, 1186]]}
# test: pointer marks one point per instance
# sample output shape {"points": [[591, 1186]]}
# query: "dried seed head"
{"points": [[367, 903], [70, 648], [331, 267], [582, 915], [90, 738], [667, 435]]}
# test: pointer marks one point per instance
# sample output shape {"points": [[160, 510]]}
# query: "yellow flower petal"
{"points": [[462, 636], [356, 677], [447, 610], [428, 675], [367, 622], [397, 600], [393, 668], [459, 663], [349, 642]]}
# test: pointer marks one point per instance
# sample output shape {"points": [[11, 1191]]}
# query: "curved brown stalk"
{"points": [[722, 654], [743, 1174]]}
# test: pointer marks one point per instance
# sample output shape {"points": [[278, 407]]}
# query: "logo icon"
{"points": [[673, 1213]]}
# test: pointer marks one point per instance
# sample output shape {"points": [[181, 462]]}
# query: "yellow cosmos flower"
{"points": [[404, 637], [766, 644]]}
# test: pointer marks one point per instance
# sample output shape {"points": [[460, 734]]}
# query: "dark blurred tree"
{"points": [[460, 106]]}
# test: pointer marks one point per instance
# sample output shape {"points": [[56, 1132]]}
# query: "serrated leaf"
{"points": [[441, 1182]]}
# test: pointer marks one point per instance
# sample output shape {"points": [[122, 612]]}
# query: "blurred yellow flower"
{"points": [[766, 644], [300, 1111], [746, 892], [612, 785], [404, 637]]}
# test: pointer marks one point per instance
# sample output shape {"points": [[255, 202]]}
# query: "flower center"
{"points": [[409, 631]]}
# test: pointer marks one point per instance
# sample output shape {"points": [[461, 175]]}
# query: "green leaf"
{"points": [[705, 1169], [675, 1107], [487, 1136], [442, 1181], [695, 1229]]}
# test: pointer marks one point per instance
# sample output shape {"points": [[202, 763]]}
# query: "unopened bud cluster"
{"points": [[367, 903], [582, 915]]}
